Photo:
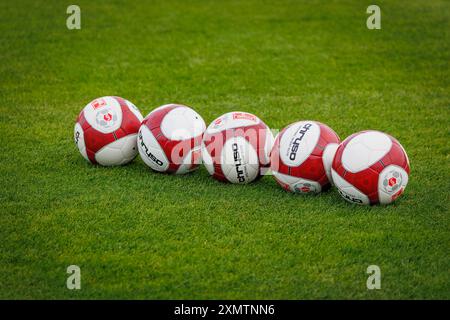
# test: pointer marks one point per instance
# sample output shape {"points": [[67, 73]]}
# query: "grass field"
{"points": [[139, 234]]}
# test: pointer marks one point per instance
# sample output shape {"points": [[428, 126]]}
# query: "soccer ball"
{"points": [[370, 167], [236, 147], [301, 157], [170, 137], [106, 130]]}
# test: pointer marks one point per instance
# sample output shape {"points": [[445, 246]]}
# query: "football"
{"points": [[170, 137], [106, 130], [301, 157], [370, 167], [236, 147]]}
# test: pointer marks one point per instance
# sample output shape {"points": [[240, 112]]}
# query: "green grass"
{"points": [[140, 234]]}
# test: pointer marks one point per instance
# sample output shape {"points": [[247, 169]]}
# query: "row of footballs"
{"points": [[368, 167]]}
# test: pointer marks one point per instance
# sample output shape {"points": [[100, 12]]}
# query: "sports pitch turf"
{"points": [[140, 234]]}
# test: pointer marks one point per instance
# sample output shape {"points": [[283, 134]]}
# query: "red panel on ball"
{"points": [[93, 139], [130, 123]]}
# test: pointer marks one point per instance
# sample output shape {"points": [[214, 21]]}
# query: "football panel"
{"points": [[311, 169], [150, 150], [207, 160], [365, 149], [169, 106], [327, 159], [130, 121], [237, 158], [336, 164], [232, 120], [255, 171], [327, 135], [182, 123], [214, 144], [129, 147], [298, 142], [365, 181], [259, 136], [276, 165], [348, 191], [391, 183], [79, 140], [104, 114], [269, 141], [396, 156], [110, 155], [155, 117], [137, 113], [95, 141], [190, 161], [197, 124]]}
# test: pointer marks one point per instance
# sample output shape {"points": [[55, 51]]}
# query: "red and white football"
{"points": [[370, 167], [301, 157], [170, 137], [106, 130], [236, 147]]}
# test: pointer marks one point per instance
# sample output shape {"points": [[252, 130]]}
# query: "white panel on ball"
{"points": [[268, 147], [129, 147], [207, 160], [292, 142], [239, 160], [327, 159], [104, 114], [79, 140], [150, 150], [364, 150], [182, 123], [111, 154]]}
